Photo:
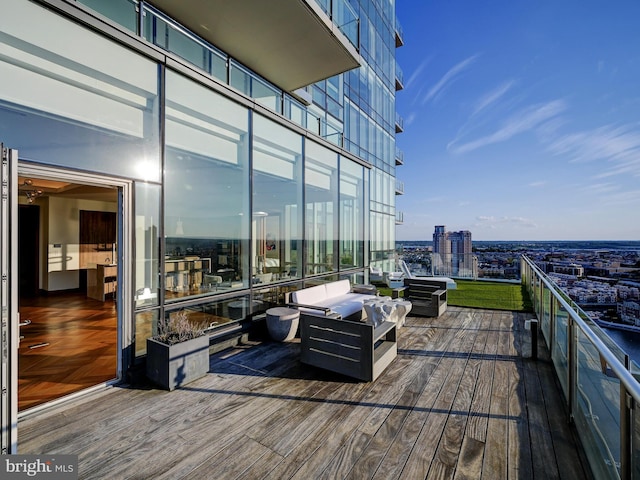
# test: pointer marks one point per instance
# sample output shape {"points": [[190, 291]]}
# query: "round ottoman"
{"points": [[282, 323]]}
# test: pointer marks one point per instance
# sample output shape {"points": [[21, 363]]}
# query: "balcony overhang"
{"points": [[291, 43]]}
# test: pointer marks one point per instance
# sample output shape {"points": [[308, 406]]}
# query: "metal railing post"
{"points": [[626, 431], [541, 297], [552, 324], [572, 367], [534, 339]]}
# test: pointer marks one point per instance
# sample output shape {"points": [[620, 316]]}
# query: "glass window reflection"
{"points": [[147, 231], [351, 214], [206, 191], [77, 114], [276, 221], [321, 197]]}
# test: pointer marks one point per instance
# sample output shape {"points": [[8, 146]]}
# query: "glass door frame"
{"points": [[125, 257], [9, 325]]}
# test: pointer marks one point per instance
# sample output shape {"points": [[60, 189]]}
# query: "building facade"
{"points": [[164, 157], [453, 253]]}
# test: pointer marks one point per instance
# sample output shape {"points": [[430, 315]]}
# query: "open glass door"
{"points": [[9, 328]]}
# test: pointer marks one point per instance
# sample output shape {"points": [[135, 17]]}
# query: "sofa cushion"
{"points": [[335, 289], [347, 304], [310, 296], [336, 296]]}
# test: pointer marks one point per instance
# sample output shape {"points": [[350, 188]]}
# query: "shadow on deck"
{"points": [[461, 400]]}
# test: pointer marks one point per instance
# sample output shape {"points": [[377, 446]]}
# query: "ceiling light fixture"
{"points": [[31, 194]]}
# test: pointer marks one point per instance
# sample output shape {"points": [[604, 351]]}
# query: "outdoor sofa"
{"points": [[427, 296], [334, 336]]}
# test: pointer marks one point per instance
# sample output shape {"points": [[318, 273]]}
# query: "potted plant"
{"points": [[179, 353]]}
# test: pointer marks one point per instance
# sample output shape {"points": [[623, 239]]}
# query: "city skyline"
{"points": [[520, 120]]}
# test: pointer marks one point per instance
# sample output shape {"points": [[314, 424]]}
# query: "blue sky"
{"points": [[522, 119]]}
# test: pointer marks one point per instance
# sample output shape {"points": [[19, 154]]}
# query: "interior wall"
{"points": [[62, 240]]}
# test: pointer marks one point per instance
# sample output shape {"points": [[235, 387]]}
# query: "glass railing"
{"points": [[169, 35], [399, 34], [245, 81], [399, 78], [399, 187], [122, 12], [345, 18], [595, 375], [399, 123], [399, 217], [474, 266], [399, 157]]}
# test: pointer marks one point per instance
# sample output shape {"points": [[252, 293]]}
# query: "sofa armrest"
{"points": [[352, 348], [439, 296], [366, 289], [326, 310]]}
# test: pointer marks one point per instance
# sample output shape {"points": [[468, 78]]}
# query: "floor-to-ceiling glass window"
{"points": [[321, 212], [276, 219], [123, 12], [73, 98], [206, 193], [167, 35], [352, 225]]}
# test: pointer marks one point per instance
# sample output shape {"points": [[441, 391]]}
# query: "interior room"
{"points": [[67, 271]]}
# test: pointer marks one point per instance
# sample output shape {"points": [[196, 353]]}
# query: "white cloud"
{"points": [[417, 72], [600, 188], [493, 222], [448, 78], [433, 200], [524, 120], [619, 146], [491, 97], [538, 184], [631, 197]]}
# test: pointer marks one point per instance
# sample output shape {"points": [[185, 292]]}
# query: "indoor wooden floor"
{"points": [[461, 400], [70, 345]]}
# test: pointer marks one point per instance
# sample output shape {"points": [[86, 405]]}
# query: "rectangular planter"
{"points": [[172, 366]]}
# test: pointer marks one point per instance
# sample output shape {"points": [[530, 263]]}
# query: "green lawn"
{"points": [[482, 294], [494, 295]]}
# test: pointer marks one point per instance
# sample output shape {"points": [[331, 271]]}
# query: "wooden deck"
{"points": [[461, 400]]}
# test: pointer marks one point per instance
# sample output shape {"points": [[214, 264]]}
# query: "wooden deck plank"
{"points": [[369, 462], [313, 455], [448, 453], [461, 400], [309, 457], [542, 455], [495, 461], [474, 442], [233, 462], [520, 465], [402, 445], [570, 462], [343, 464], [77, 426], [421, 457]]}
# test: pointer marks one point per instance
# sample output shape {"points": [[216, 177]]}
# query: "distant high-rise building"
{"points": [[452, 252]]}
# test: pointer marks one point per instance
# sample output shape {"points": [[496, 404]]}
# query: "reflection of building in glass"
{"points": [[453, 253]]}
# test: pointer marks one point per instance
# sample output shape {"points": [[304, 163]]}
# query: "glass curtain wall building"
{"points": [[238, 174], [361, 104]]}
